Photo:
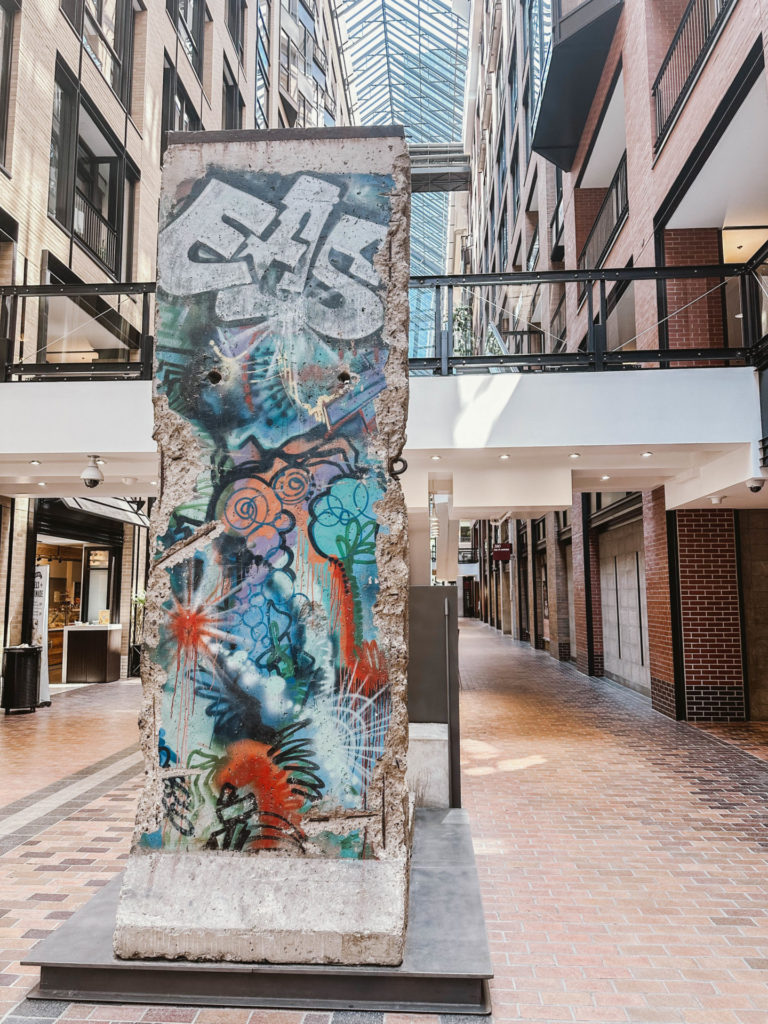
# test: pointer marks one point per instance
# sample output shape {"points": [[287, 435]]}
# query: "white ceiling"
{"points": [[731, 190], [610, 143]]}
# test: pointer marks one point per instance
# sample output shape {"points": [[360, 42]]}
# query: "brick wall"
{"points": [[753, 536], [559, 641], [586, 552], [658, 602], [701, 322], [586, 206], [711, 621]]}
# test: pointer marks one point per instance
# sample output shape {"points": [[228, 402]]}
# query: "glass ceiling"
{"points": [[409, 60]]}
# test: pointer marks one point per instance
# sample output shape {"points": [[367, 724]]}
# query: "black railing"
{"points": [[694, 38], [467, 556], [111, 339], [556, 232], [124, 311], [609, 220], [95, 231], [533, 349]]}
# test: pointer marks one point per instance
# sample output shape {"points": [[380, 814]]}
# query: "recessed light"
{"points": [[504, 457], [717, 499], [738, 316], [101, 462], [435, 458], [153, 483], [605, 477], [34, 462], [575, 455], [647, 455], [41, 484]]}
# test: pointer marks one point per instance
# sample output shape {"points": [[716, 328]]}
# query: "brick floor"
{"points": [[622, 856]]}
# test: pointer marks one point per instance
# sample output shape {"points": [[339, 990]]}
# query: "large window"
{"points": [[179, 115], [236, 25], [89, 178], [106, 27], [232, 101], [6, 50], [188, 17], [261, 113]]}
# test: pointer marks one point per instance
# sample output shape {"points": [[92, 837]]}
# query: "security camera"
{"points": [[756, 485], [92, 475]]}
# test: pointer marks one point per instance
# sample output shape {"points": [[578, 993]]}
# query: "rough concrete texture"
{"points": [[274, 723]]}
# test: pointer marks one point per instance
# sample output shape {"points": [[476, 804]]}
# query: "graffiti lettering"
{"points": [[259, 256]]}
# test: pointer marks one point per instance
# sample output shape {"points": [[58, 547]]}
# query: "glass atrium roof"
{"points": [[409, 60]]}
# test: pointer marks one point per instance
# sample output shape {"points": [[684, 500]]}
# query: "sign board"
{"points": [[40, 627], [502, 552]]}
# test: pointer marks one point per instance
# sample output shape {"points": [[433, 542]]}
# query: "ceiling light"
{"points": [[153, 483], [574, 455], [647, 455], [738, 316], [34, 462], [101, 462], [717, 499], [504, 457], [605, 477], [41, 484], [435, 458]]}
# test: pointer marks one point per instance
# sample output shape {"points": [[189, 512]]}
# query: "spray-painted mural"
{"points": [[276, 701]]}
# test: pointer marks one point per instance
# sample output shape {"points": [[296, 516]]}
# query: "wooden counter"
{"points": [[91, 654]]}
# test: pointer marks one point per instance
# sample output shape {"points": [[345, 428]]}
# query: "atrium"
{"points": [[335, 328]]}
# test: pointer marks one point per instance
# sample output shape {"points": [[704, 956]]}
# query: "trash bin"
{"points": [[21, 678]]}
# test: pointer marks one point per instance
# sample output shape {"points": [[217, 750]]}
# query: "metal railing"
{"points": [[556, 232], [66, 332], [694, 38], [458, 344], [609, 220], [95, 231], [111, 338]]}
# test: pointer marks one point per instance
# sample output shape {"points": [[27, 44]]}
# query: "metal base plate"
{"points": [[446, 966]]}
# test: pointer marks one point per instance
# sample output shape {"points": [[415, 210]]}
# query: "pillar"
{"points": [[273, 825], [659, 607], [557, 576], [587, 605]]}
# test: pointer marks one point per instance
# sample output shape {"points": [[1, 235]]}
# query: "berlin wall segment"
{"points": [[274, 824]]}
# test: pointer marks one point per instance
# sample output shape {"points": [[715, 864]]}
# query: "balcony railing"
{"points": [[468, 556], [556, 231], [695, 36], [95, 232], [66, 332], [609, 221], [558, 327]]}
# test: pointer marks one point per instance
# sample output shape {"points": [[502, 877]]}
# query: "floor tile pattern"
{"points": [[622, 856]]}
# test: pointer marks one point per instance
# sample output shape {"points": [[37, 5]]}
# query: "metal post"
{"points": [[449, 329], [5, 359], [590, 322], [147, 341], [601, 330]]}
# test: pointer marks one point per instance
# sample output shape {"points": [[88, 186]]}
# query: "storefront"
{"points": [[95, 555]]}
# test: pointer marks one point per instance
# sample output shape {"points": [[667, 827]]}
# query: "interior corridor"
{"points": [[623, 857]]}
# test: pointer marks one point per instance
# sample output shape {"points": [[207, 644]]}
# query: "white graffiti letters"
{"points": [[271, 260]]}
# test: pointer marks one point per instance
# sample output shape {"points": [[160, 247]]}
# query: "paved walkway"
{"points": [[623, 857]]}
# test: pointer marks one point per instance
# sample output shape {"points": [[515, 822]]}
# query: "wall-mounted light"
{"points": [[435, 458], [646, 455], [575, 455], [503, 458], [34, 462]]}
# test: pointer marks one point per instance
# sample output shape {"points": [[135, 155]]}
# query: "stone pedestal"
{"points": [[274, 823]]}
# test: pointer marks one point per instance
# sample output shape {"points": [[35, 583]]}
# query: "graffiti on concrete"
{"points": [[276, 701]]}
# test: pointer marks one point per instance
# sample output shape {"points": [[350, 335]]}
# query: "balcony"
{"points": [[695, 36], [95, 232], [609, 221], [581, 38]]}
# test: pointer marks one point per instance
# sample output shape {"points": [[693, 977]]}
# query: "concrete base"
{"points": [[445, 969], [428, 773], [262, 908]]}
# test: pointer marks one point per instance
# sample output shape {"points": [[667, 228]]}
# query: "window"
{"points": [[232, 101], [178, 113], [106, 28], [6, 44], [187, 16], [89, 177], [261, 112], [236, 25], [62, 149]]}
